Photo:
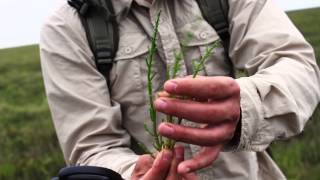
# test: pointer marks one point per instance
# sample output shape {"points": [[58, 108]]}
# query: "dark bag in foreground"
{"points": [[87, 173]]}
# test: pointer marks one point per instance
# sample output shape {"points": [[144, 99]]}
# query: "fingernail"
{"points": [[167, 156], [170, 86], [184, 170], [160, 104], [166, 130]]}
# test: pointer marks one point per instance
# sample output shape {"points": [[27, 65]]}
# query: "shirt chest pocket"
{"points": [[203, 37], [127, 77]]}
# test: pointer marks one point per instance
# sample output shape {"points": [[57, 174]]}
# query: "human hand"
{"points": [[164, 167], [214, 104]]}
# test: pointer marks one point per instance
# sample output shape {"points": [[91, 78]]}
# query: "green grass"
{"points": [[307, 22], [28, 144]]}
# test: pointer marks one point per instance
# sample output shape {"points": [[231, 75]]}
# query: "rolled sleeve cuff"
{"points": [[251, 119]]}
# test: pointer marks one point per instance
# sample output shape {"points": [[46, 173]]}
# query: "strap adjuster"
{"points": [[104, 56], [104, 61]]}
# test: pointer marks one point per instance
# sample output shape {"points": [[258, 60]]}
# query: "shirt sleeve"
{"points": [[282, 89], [87, 121]]}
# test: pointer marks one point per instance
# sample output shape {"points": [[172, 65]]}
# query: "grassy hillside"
{"points": [[307, 22], [300, 158], [28, 145]]}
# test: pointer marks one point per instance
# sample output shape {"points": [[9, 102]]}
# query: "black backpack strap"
{"points": [[215, 12], [99, 21]]}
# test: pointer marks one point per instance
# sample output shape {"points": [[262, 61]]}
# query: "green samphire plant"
{"points": [[160, 142]]}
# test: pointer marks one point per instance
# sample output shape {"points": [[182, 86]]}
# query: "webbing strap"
{"points": [[98, 19], [215, 12]]}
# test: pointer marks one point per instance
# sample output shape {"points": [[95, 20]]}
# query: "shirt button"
{"points": [[203, 35], [128, 50], [161, 20]]}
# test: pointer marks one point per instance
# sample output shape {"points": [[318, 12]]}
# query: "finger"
{"points": [[200, 112], [208, 136], [163, 94], [160, 167], [204, 87], [166, 94], [201, 160], [178, 158], [143, 165], [189, 176]]}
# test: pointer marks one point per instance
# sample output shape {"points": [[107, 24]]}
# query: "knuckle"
{"points": [[234, 87], [187, 135], [178, 135], [172, 107], [236, 114], [211, 87], [212, 111], [207, 117], [225, 134], [230, 134], [185, 112], [233, 112]]}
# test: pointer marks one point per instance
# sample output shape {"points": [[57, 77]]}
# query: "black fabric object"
{"points": [[215, 12], [87, 173], [99, 21]]}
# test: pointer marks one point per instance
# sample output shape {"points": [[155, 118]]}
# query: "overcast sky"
{"points": [[20, 20]]}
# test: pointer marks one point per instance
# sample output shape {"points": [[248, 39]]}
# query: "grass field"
{"points": [[299, 158], [28, 144]]}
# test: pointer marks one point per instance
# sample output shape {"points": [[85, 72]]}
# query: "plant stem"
{"points": [[160, 142], [151, 75], [209, 51]]}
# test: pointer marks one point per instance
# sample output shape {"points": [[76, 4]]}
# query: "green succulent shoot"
{"points": [[159, 142]]}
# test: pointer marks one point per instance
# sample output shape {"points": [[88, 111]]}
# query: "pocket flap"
{"points": [[202, 33], [132, 45]]}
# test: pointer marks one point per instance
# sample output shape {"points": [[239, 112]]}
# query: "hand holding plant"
{"points": [[211, 102], [160, 143]]}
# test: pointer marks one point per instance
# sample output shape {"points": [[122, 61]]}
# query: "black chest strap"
{"points": [[99, 21], [215, 12]]}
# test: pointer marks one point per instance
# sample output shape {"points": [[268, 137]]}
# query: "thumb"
{"points": [[143, 165]]}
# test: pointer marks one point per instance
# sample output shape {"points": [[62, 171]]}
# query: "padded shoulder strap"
{"points": [[88, 172], [98, 19], [216, 13]]}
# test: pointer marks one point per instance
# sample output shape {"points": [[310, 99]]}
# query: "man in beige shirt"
{"points": [[96, 124]]}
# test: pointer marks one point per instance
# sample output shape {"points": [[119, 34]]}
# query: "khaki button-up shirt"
{"points": [[95, 126]]}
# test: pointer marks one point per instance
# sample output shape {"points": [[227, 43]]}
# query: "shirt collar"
{"points": [[143, 3], [122, 7]]}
